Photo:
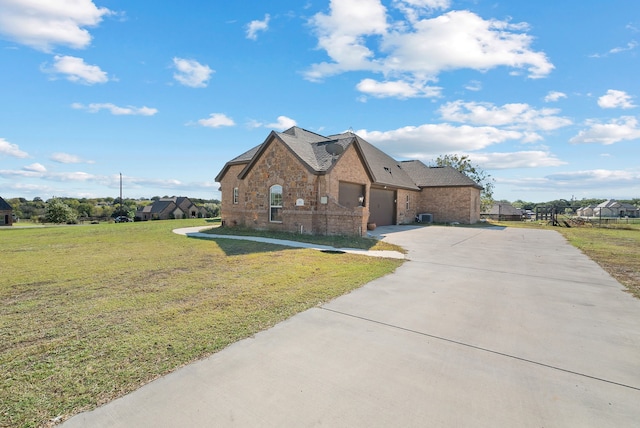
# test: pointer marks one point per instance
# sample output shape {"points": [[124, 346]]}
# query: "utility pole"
{"points": [[121, 205]]}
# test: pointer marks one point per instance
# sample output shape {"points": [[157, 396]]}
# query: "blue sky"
{"points": [[542, 95]]}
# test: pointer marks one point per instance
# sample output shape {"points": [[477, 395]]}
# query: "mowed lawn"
{"points": [[89, 313]]}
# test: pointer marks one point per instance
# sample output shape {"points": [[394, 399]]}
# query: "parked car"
{"points": [[122, 219]]}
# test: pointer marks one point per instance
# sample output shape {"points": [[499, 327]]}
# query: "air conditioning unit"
{"points": [[424, 218]]}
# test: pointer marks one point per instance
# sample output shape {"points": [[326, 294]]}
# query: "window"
{"points": [[235, 195], [407, 206], [275, 204]]}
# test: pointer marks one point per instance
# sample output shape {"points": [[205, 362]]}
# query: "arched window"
{"points": [[275, 204]]}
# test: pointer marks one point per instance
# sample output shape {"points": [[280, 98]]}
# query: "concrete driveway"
{"points": [[480, 328]]}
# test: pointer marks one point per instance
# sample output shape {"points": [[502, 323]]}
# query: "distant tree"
{"points": [[213, 209], [16, 204], [477, 174], [103, 211], [127, 209], [59, 212], [523, 204], [85, 209]]}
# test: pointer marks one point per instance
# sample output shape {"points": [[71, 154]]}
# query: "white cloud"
{"points": [[414, 9], [629, 47], [43, 24], [76, 70], [116, 110], [462, 39], [282, 123], [72, 176], [67, 158], [425, 141], [523, 159], [35, 167], [473, 85], [515, 115], [216, 120], [616, 99], [8, 149], [620, 184], [341, 34], [596, 175], [603, 181], [554, 96], [11, 173], [191, 73], [621, 129], [37, 170], [397, 89], [421, 49], [255, 26]]}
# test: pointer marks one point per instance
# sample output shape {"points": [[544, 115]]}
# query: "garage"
{"points": [[382, 207]]}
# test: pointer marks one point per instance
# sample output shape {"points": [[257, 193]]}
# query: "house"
{"points": [[170, 208], [585, 211], [613, 208], [300, 181], [503, 211], [6, 213]]}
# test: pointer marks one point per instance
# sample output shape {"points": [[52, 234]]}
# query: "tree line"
{"points": [[567, 204], [73, 210]]}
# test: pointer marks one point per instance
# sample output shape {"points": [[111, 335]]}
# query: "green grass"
{"points": [[337, 241], [90, 313], [615, 248]]}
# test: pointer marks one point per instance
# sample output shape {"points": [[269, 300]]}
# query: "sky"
{"points": [[541, 95]]}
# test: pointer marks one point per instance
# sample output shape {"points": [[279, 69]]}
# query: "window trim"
{"points": [[272, 205]]}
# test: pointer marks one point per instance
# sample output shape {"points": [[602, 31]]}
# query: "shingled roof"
{"points": [[436, 176], [384, 170], [319, 153], [4, 205]]}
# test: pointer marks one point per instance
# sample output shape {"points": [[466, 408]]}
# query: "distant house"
{"points": [[585, 211], [170, 208], [613, 208], [300, 181], [6, 213], [503, 211]]}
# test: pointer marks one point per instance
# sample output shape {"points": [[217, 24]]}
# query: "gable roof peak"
{"points": [[4, 205], [296, 131]]}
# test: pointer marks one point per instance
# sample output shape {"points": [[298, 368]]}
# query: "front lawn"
{"points": [[337, 241], [90, 313]]}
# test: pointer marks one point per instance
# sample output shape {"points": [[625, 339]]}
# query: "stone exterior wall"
{"points": [[232, 213], [6, 218], [319, 211], [277, 165], [451, 204], [407, 206], [342, 220]]}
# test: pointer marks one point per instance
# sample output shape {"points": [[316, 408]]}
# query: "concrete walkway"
{"points": [[194, 232], [480, 328]]}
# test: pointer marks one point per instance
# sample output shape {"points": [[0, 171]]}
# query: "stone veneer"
{"points": [[277, 165], [451, 204]]}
